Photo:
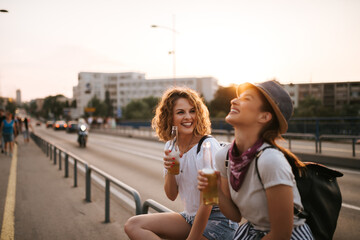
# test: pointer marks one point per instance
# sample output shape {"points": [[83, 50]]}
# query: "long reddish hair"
{"points": [[271, 133]]}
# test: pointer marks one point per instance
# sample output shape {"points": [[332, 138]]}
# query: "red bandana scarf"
{"points": [[239, 164]]}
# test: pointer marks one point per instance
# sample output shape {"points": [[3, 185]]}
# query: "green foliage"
{"points": [[110, 110], [220, 105], [352, 110], [140, 108], [312, 107], [53, 108], [33, 108], [11, 107], [101, 109], [73, 104]]}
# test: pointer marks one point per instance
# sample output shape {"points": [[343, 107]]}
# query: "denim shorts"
{"points": [[217, 227], [8, 137]]}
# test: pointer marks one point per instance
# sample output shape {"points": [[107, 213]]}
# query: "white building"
{"points": [[124, 87]]}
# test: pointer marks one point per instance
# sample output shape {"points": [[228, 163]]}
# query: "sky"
{"points": [[44, 44]]}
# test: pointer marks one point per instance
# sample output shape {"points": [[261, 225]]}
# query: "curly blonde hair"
{"points": [[163, 119]]}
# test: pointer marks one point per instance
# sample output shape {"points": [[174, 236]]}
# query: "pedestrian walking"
{"points": [[259, 115], [8, 129], [25, 129], [2, 117], [183, 108]]}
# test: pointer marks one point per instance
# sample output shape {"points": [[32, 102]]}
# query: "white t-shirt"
{"points": [[251, 199], [190, 163]]}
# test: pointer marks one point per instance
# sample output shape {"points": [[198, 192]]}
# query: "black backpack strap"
{"points": [[258, 154], [201, 142], [227, 159], [297, 212]]}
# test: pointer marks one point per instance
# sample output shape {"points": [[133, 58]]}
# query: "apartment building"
{"points": [[126, 86], [332, 95]]}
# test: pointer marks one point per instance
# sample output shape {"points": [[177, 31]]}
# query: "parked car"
{"points": [[60, 125], [72, 126], [49, 124]]}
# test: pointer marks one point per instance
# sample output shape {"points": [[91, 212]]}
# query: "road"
{"points": [[138, 163]]}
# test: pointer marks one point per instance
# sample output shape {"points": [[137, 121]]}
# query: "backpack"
{"points": [[320, 196]]}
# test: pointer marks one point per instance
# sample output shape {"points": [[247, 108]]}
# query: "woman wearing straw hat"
{"points": [[266, 199]]}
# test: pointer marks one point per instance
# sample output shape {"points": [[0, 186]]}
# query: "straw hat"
{"points": [[278, 98]]}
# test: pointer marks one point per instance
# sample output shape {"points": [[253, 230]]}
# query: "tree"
{"points": [[312, 107], [110, 109], [220, 105], [73, 104], [10, 106], [140, 108], [52, 108], [101, 108], [33, 108]]}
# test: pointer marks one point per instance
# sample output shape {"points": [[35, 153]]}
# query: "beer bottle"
{"points": [[210, 193], [174, 151]]}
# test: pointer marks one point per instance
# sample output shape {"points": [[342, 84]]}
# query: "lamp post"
{"points": [[174, 44]]}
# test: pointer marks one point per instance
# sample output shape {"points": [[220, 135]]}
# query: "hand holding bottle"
{"points": [[172, 154]]}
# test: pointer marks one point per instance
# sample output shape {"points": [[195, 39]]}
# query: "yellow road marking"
{"points": [[7, 230]]}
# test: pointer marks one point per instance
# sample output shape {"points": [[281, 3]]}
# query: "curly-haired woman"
{"points": [[182, 107]]}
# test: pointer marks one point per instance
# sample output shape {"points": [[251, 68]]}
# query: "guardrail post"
{"points": [[88, 183], [55, 155], [59, 159], [75, 173], [319, 145], [353, 146], [316, 145], [47, 149], [107, 200], [51, 152], [289, 143], [66, 165]]}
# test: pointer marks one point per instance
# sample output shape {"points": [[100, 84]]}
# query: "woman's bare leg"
{"points": [[157, 226]]}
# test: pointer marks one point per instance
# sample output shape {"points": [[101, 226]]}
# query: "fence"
{"points": [[55, 154], [309, 125]]}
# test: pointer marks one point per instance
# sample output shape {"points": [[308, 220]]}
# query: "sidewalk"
{"points": [[48, 207]]}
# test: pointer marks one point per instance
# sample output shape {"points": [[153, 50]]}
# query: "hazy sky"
{"points": [[45, 43]]}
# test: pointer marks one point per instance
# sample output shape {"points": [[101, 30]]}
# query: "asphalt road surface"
{"points": [[138, 163]]}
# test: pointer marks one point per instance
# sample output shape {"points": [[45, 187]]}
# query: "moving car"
{"points": [[49, 124], [72, 126], [60, 125]]}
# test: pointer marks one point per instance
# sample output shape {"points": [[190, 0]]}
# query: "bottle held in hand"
{"points": [[210, 193], [174, 152]]}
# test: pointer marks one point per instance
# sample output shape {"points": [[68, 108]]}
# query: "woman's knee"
{"points": [[132, 225]]}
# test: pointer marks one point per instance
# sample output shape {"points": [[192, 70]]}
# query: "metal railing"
{"points": [[148, 133], [54, 151], [290, 136], [335, 137]]}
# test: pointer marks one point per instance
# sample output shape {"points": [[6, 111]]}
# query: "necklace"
{"points": [[185, 157], [188, 146]]}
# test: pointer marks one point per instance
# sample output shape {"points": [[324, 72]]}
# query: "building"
{"points": [[18, 97], [332, 95], [126, 86], [39, 103]]}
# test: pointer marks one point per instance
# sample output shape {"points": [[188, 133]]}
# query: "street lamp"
{"points": [[173, 50], [3, 10]]}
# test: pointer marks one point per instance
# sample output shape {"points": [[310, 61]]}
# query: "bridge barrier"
{"points": [[351, 137], [54, 151], [148, 133]]}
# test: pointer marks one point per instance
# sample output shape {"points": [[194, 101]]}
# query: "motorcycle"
{"points": [[82, 135]]}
